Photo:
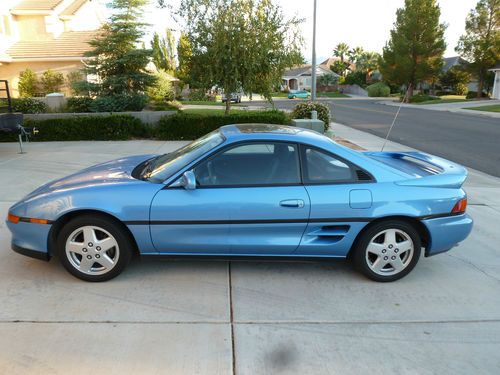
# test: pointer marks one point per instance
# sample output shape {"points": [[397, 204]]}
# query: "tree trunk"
{"points": [[480, 85], [228, 104], [409, 93]]}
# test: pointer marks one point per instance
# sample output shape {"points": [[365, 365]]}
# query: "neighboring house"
{"points": [[450, 62], [496, 83], [45, 34], [299, 78]]}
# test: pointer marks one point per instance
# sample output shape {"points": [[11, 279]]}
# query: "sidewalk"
{"points": [[457, 107]]}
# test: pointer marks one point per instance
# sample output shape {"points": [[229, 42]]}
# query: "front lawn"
{"points": [[335, 94], [445, 99], [487, 108]]}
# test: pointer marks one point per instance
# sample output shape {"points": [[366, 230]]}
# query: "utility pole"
{"points": [[313, 73]]}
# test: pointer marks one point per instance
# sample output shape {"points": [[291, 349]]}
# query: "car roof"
{"points": [[238, 132]]}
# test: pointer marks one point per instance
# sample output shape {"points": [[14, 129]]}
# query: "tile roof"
{"points": [[73, 7], [68, 44], [303, 69], [37, 5]]}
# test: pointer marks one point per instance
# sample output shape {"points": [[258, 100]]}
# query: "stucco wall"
{"points": [[11, 71]]}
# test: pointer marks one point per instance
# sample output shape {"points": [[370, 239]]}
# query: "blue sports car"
{"points": [[249, 190]]}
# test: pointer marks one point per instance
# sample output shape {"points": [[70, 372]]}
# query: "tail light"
{"points": [[460, 206]]}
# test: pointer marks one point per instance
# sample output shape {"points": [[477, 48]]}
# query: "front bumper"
{"points": [[30, 239], [447, 232]]}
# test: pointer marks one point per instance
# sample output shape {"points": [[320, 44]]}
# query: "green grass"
{"points": [[335, 94], [442, 101], [205, 111], [279, 95], [445, 99], [487, 108], [206, 102]]}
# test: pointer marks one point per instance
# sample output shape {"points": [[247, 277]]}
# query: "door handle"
{"points": [[298, 203]]}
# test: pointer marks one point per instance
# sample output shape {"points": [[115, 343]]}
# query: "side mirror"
{"points": [[187, 181]]}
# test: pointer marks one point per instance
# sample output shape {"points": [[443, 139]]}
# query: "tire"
{"points": [[80, 238], [387, 251]]}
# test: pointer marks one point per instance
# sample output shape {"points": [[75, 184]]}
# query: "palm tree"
{"points": [[340, 51], [368, 63], [355, 54]]}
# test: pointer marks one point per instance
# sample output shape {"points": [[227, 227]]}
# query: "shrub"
{"points": [[26, 105], [161, 91], [52, 81], [473, 95], [419, 98], [74, 81], [119, 103], [194, 125], [461, 89], [79, 104], [378, 89], [356, 78], [197, 95], [28, 82], [303, 110]]}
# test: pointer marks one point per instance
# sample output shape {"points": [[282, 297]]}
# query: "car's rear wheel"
{"points": [[388, 251], [93, 248]]}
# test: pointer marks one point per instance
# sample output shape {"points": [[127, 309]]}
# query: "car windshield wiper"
{"points": [[148, 168]]}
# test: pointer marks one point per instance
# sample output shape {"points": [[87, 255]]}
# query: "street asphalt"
{"points": [[245, 318], [469, 139]]}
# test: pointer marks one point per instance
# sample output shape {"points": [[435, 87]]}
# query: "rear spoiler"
{"points": [[436, 172]]}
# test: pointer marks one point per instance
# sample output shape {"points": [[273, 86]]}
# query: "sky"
{"points": [[364, 23]]}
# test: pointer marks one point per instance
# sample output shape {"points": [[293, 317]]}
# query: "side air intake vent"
{"points": [[362, 175]]}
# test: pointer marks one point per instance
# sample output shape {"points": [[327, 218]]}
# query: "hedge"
{"points": [[303, 111], [194, 125], [85, 128]]}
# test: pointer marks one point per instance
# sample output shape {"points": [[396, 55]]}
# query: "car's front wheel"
{"points": [[93, 248], [388, 251]]}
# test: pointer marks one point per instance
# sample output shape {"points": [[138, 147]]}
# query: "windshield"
{"points": [[164, 166]]}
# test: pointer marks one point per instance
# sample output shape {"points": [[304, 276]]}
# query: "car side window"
{"points": [[251, 164], [321, 167]]}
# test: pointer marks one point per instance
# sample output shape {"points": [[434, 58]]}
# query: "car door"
{"points": [[341, 200], [259, 184], [190, 221]]}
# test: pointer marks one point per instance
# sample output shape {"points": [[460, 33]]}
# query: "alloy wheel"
{"points": [[389, 252], [92, 250]]}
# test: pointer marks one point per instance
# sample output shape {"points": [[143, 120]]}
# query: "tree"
{"points": [[28, 83], [355, 54], [368, 62], [415, 50], [240, 45], [117, 59], [52, 81], [455, 78], [341, 66], [184, 54], [328, 79], [480, 45], [163, 51]]}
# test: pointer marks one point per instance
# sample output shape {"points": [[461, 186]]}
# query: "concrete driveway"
{"points": [[194, 317]]}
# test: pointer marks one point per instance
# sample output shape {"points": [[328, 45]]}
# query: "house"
{"points": [[457, 61], [45, 34], [496, 83], [299, 78]]}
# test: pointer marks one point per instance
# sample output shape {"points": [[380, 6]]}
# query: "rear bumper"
{"points": [[447, 232]]}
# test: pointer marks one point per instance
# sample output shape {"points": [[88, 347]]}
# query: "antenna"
{"points": [[395, 117]]}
